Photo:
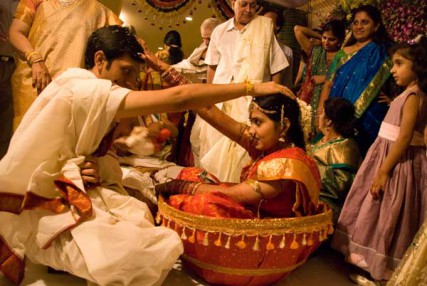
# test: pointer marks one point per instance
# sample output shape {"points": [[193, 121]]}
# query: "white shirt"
{"points": [[222, 53]]}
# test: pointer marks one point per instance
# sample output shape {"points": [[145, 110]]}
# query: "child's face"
{"points": [[402, 70]]}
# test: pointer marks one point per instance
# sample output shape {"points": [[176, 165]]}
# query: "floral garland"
{"points": [[404, 19], [305, 120], [223, 8], [167, 6]]}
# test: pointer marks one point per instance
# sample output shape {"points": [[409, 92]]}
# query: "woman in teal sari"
{"points": [[359, 71], [319, 60]]}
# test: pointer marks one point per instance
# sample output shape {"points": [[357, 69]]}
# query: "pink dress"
{"points": [[374, 234]]}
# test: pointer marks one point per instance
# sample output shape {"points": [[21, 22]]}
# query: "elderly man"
{"points": [[243, 48], [195, 63]]}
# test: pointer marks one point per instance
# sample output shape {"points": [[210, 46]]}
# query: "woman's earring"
{"points": [[282, 138]]}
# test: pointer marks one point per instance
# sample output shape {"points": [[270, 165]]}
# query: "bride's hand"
{"points": [[150, 59]]}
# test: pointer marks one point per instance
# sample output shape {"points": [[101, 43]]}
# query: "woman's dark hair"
{"points": [[291, 111], [173, 41], [380, 36], [417, 53], [336, 27], [114, 41], [341, 112]]}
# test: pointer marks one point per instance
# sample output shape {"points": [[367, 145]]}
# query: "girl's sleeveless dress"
{"points": [[374, 234]]}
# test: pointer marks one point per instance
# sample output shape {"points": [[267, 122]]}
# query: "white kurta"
{"points": [[252, 54], [118, 243]]}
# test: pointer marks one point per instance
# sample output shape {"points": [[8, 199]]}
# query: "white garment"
{"points": [[118, 243], [193, 63], [253, 54]]}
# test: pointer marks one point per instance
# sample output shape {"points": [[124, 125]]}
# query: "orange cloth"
{"points": [[286, 164]]}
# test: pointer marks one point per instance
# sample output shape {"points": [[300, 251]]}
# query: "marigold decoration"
{"points": [[404, 20], [167, 13], [223, 8]]}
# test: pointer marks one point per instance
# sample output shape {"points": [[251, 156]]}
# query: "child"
{"points": [[387, 202]]}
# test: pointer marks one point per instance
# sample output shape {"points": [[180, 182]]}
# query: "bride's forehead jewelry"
{"points": [[254, 104]]}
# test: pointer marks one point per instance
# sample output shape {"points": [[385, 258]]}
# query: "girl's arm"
{"points": [[303, 35], [324, 95], [407, 127]]}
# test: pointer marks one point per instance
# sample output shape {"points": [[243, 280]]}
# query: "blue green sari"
{"points": [[359, 77]]}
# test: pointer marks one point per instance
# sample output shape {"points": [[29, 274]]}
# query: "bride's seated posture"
{"points": [[280, 181], [257, 231]]}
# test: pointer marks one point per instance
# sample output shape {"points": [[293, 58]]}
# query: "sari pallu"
{"points": [[358, 77], [338, 161], [287, 164], [309, 92]]}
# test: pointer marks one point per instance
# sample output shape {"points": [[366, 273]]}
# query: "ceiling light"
{"points": [[189, 18]]}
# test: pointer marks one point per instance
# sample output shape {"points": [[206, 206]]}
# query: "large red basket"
{"points": [[227, 251]]}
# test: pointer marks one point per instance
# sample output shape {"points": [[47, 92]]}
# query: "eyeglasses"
{"points": [[244, 4]]}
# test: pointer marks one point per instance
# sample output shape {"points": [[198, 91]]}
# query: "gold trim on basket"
{"points": [[232, 226], [243, 272]]}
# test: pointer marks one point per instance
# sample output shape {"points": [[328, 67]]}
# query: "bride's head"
{"points": [[275, 122]]}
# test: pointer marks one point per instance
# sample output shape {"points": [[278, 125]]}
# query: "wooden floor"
{"points": [[325, 268]]}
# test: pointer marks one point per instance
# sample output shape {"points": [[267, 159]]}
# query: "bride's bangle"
{"points": [[254, 184], [195, 187]]}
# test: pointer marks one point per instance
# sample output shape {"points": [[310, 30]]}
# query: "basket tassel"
{"points": [[321, 237], [330, 229], [218, 241], [168, 224], [227, 245], [192, 238], [158, 218], [183, 236], [310, 241], [206, 239], [270, 245], [304, 239], [294, 244], [282, 242], [241, 244], [256, 244]]}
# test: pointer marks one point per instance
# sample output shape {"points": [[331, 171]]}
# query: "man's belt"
{"points": [[6, 59]]}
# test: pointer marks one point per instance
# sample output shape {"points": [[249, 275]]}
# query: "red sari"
{"points": [[286, 164]]}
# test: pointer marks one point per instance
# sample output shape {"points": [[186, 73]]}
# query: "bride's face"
{"points": [[265, 131]]}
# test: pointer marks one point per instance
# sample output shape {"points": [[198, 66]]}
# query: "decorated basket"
{"points": [[245, 251]]}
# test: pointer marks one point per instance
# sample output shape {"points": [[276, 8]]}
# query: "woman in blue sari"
{"points": [[359, 71]]}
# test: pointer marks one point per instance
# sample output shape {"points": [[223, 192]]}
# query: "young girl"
{"points": [[388, 200]]}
